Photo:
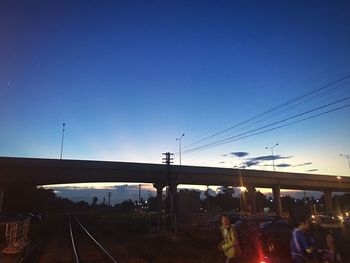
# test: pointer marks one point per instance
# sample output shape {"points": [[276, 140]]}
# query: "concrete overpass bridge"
{"points": [[35, 171]]}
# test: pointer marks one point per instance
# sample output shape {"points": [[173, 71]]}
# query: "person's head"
{"points": [[300, 217], [225, 220], [304, 224]]}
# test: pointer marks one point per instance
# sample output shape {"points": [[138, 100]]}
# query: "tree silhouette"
{"points": [[94, 200]]}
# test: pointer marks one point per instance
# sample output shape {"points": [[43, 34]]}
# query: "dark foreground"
{"points": [[128, 239]]}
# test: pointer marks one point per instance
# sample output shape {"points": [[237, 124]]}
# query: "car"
{"points": [[264, 239], [328, 221]]}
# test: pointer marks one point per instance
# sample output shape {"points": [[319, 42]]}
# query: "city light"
{"points": [[242, 188]]}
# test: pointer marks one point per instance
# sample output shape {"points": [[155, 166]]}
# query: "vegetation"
{"points": [[23, 198]]}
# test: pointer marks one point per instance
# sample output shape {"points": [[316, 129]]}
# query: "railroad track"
{"points": [[85, 247]]}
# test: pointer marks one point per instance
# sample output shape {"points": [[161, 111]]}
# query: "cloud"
{"points": [[269, 158], [118, 193], [311, 170], [282, 165], [239, 154], [257, 160], [250, 163], [302, 164]]}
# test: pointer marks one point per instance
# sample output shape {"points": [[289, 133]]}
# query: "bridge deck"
{"points": [[53, 171]]}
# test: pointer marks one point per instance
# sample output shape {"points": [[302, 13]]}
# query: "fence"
{"points": [[16, 235], [163, 223]]}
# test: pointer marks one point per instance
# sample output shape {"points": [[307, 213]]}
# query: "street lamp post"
{"points": [[347, 156], [63, 126], [273, 157], [180, 139]]}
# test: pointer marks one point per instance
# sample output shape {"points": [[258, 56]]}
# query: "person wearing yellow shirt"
{"points": [[229, 245]]}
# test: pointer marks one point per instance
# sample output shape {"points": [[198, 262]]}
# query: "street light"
{"points": [[273, 158], [347, 156], [242, 188], [180, 139]]}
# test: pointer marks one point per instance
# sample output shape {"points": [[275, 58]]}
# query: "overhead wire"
{"points": [[285, 125], [229, 139], [327, 86], [304, 102]]}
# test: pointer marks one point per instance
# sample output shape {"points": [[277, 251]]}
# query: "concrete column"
{"points": [[159, 188], [276, 191], [251, 199], [328, 200], [2, 194], [172, 192], [245, 204]]}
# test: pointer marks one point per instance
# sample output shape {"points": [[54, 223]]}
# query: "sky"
{"points": [[129, 77]]}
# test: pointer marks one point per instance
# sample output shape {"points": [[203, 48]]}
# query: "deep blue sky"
{"points": [[128, 77]]}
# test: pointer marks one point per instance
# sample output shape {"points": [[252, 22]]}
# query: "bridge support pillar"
{"points": [[2, 195], [159, 188], [328, 200], [172, 192], [251, 199], [276, 191]]}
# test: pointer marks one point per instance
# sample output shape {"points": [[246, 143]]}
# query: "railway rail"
{"points": [[85, 247]]}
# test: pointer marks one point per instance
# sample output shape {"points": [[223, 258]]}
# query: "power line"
{"points": [[232, 138], [281, 126], [284, 110], [330, 84], [294, 122], [266, 126]]}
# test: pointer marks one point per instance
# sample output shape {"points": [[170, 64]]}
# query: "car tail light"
{"points": [[264, 260]]}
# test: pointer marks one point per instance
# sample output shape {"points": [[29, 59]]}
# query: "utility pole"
{"points": [[167, 160], [109, 199], [273, 157], [347, 156], [139, 194], [63, 129], [180, 139]]}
